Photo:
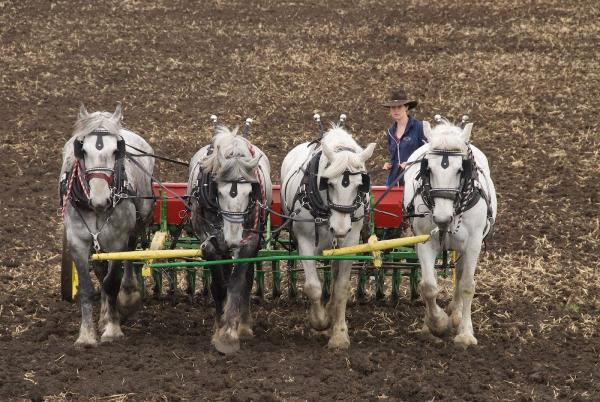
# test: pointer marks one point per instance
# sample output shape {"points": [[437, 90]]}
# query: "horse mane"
{"points": [[448, 137], [92, 121], [347, 152], [236, 151]]}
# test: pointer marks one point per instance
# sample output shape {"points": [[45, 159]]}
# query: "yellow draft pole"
{"points": [[378, 245], [147, 255]]}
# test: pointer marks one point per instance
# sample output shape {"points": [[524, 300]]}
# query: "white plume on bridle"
{"points": [[231, 159]]}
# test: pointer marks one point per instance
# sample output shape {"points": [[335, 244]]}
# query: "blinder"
{"points": [[78, 145], [365, 187], [323, 183]]}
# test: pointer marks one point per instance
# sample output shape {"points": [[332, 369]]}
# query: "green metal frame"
{"points": [[397, 263]]}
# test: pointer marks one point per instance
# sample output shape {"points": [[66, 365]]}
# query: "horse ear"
{"points": [[82, 111], [466, 133], [118, 113], [328, 152], [427, 130], [366, 154]]}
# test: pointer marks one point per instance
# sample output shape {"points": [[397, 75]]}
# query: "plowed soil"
{"points": [[525, 72]]}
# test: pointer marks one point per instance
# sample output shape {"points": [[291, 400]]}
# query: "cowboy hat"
{"points": [[398, 97]]}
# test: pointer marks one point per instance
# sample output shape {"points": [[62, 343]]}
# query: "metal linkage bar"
{"points": [[377, 246], [260, 259], [147, 255]]}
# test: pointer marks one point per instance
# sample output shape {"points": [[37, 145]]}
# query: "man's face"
{"points": [[399, 112]]}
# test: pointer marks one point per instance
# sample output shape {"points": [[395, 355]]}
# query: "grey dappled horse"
{"points": [[325, 187], [454, 198], [96, 178], [229, 184]]}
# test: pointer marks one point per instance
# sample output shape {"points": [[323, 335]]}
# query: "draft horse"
{"points": [[107, 204], [229, 189], [450, 193], [324, 189]]}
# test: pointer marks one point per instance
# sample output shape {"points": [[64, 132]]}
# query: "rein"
{"points": [[162, 158]]}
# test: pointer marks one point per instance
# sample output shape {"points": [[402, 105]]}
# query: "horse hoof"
{"points": [[128, 303], [111, 333], [341, 341], [465, 340], [440, 326], [107, 338], [111, 338], [245, 331], [225, 345], [226, 341], [87, 343]]}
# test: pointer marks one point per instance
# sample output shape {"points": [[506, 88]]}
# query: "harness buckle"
{"points": [[321, 221], [96, 242]]}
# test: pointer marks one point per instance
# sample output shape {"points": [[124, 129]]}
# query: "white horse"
{"points": [[325, 187], [452, 191], [99, 184], [229, 183]]}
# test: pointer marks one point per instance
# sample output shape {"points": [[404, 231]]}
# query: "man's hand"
{"points": [[403, 165], [387, 166]]}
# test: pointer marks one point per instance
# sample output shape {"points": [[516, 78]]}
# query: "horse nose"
{"points": [[339, 235], [442, 219], [102, 203]]}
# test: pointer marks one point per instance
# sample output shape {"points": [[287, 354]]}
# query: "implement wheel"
{"points": [[66, 272]]}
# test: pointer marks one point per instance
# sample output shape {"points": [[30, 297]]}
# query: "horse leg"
{"points": [[317, 315], [129, 299], [337, 305], [112, 329], [466, 287], [227, 339], [87, 332], [456, 305], [436, 320], [101, 269], [245, 327]]}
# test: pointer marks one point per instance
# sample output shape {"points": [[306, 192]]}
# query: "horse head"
{"points": [[234, 170], [445, 166], [344, 179], [98, 146]]}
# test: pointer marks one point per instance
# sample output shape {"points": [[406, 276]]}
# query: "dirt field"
{"points": [[526, 72]]}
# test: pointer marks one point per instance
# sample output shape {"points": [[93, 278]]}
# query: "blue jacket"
{"points": [[400, 151]]}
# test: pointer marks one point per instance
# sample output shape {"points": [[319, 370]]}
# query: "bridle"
{"points": [[105, 173], [464, 197], [363, 189], [240, 217], [429, 193], [205, 193]]}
